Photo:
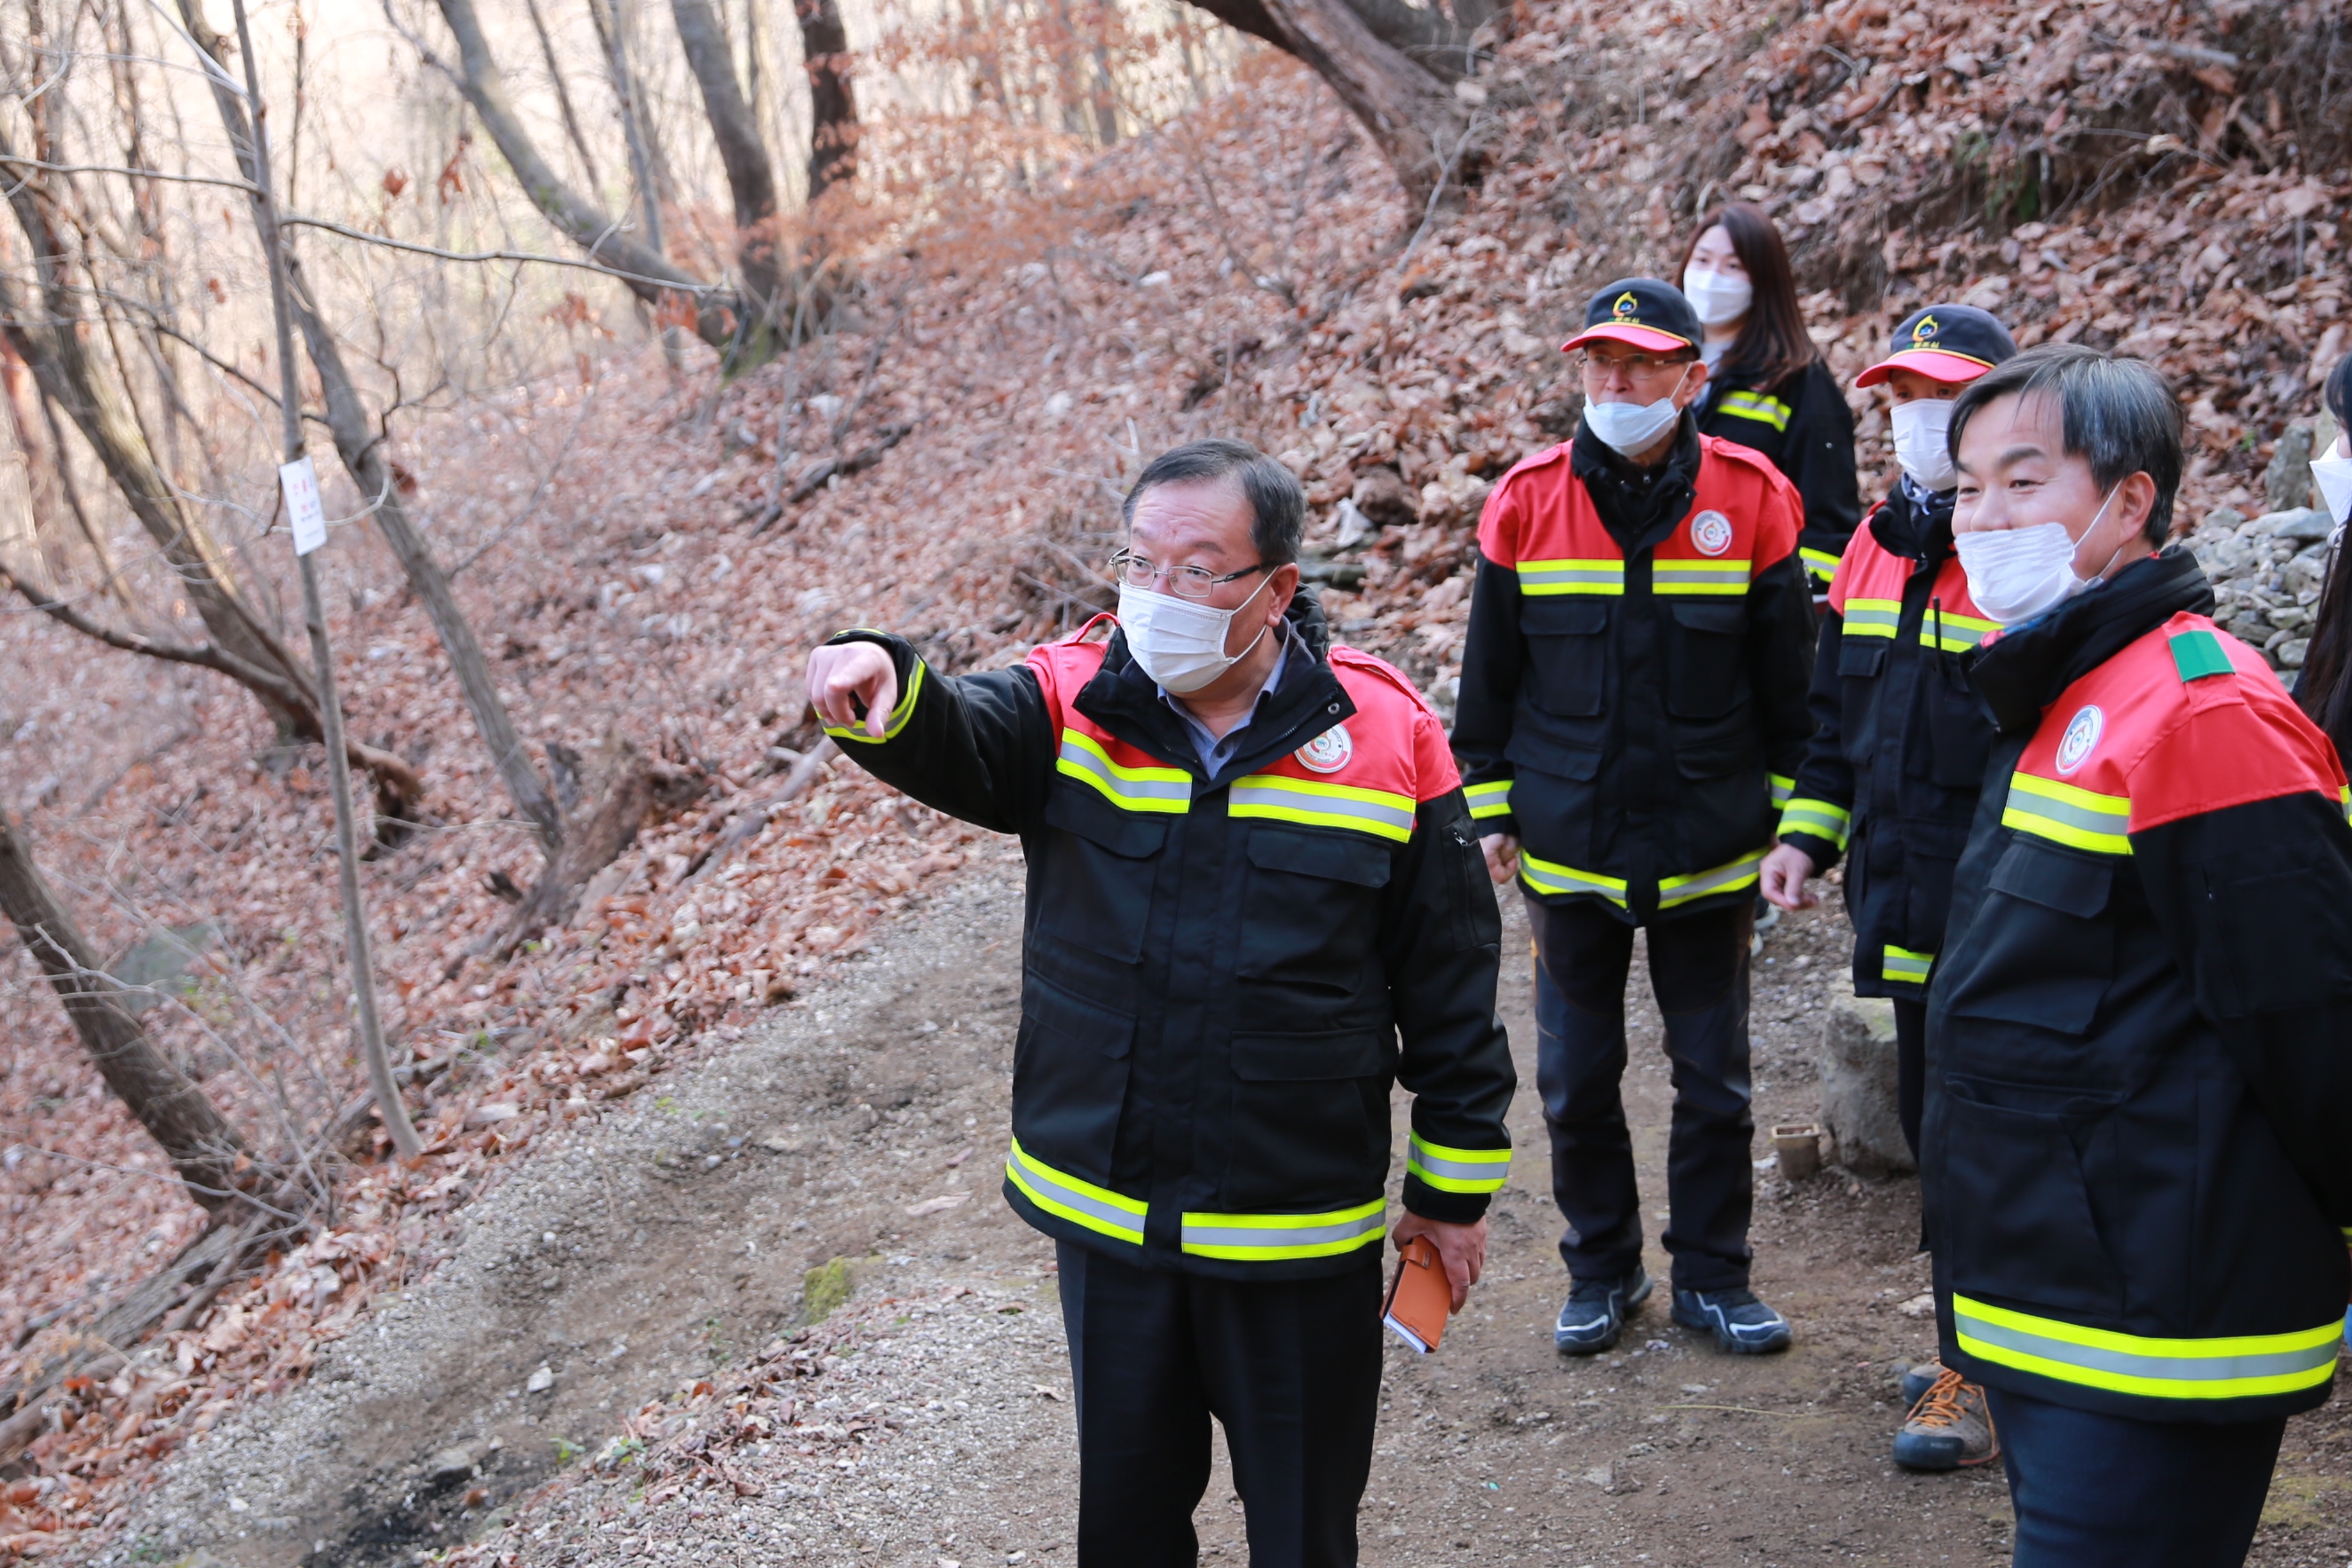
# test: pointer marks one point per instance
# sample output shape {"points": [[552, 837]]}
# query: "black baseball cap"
{"points": [[1943, 343], [1641, 311]]}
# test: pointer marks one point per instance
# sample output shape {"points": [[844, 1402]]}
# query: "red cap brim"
{"points": [[1626, 332], [1936, 364]]}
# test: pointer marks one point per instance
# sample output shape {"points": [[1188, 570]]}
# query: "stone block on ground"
{"points": [[1859, 1107]]}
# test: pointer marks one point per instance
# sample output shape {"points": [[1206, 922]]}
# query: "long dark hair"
{"points": [[2323, 691], [1772, 347]]}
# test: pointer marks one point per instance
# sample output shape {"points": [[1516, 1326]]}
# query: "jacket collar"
{"points": [[1125, 701], [1917, 526], [1634, 502], [2021, 673]]}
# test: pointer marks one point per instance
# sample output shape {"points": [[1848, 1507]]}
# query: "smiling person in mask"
{"points": [[2137, 1157], [1899, 756], [1254, 904], [1767, 387], [1632, 714]]}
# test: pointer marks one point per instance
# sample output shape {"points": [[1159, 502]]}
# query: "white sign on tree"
{"points": [[304, 511]]}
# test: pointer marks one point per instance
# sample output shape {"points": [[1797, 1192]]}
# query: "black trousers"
{"points": [[1699, 971], [1293, 1371], [2105, 1491], [1910, 1069]]}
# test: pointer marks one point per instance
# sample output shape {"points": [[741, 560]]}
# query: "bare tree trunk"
{"points": [[361, 450], [833, 99], [647, 272], [563, 99], [623, 793], [1411, 114], [197, 1139], [48, 482], [750, 178], [632, 136]]}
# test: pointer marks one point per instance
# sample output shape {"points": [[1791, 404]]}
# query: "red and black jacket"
{"points": [[1900, 743], [1632, 698], [2137, 1155], [1224, 975], [1804, 426]]}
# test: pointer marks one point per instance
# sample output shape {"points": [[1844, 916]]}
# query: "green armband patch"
{"points": [[2197, 654]]}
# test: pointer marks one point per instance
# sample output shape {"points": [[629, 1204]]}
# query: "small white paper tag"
{"points": [[304, 513]]}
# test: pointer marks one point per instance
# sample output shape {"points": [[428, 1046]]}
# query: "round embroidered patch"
{"points": [[1327, 752], [2081, 735], [1711, 532]]}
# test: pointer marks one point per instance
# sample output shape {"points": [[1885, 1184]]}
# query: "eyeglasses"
{"points": [[1637, 364], [1184, 581]]}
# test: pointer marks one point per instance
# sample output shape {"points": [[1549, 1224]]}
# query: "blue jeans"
{"points": [[2105, 1491]]}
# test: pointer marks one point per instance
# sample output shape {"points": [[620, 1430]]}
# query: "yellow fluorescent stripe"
{"points": [[1549, 876], [1691, 576], [1741, 872], [1819, 818], [1458, 1170], [1782, 789], [1539, 578], [1764, 410], [898, 716], [1872, 617], [1902, 964], [1822, 564], [2234, 1367], [1323, 805], [2082, 818], [1166, 789], [1270, 1238], [1490, 800], [2346, 794], [1080, 1202], [1958, 632]]}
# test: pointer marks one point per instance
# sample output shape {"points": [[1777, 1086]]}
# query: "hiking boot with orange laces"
{"points": [[1949, 1429]]}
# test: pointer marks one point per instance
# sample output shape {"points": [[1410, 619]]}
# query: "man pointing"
{"points": [[1255, 902]]}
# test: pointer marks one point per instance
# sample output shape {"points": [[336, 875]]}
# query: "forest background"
{"points": [[642, 345]]}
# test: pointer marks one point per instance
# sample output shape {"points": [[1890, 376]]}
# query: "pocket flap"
{"points": [[1303, 1057], [1339, 858], [2052, 879], [1860, 655], [1725, 620], [1530, 748], [1075, 1021], [1077, 808], [1563, 615]]}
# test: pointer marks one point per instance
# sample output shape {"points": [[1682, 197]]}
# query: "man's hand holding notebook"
{"points": [[1439, 1264]]}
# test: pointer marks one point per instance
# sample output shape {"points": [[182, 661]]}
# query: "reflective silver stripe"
{"points": [[1458, 1170], [1323, 805], [2082, 818], [1083, 1203], [1269, 1238], [1547, 876], [1134, 789], [1676, 890], [1726, 577], [1490, 800], [1902, 964], [1818, 818], [2246, 1366], [1540, 577], [1872, 617]]}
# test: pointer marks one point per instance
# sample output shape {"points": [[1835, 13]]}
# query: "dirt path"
{"points": [[654, 1265]]}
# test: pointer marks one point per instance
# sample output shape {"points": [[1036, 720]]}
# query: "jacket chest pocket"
{"points": [[1096, 882], [1568, 654], [1959, 736], [1311, 1120], [1070, 1066], [1860, 661], [1310, 917], [2037, 951], [1707, 673]]}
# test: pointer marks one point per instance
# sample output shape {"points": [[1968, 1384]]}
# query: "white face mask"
{"points": [[1180, 643], [1718, 297], [2333, 475], [2016, 574], [1627, 428], [1921, 442]]}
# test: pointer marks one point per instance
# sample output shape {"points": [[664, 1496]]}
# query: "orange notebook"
{"points": [[1419, 1297]]}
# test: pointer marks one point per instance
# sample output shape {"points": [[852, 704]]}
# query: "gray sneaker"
{"points": [[1740, 1323], [1596, 1313], [1950, 1428]]}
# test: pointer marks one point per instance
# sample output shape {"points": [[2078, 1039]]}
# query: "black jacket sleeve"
{"points": [[1489, 694], [979, 747], [1817, 454], [1780, 665], [1440, 939], [2256, 900], [1820, 812]]}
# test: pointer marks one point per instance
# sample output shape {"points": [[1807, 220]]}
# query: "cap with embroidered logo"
{"points": [[1640, 311], [1943, 343]]}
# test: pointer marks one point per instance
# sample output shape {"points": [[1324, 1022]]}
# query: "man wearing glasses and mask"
{"points": [[1254, 904], [1632, 714]]}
